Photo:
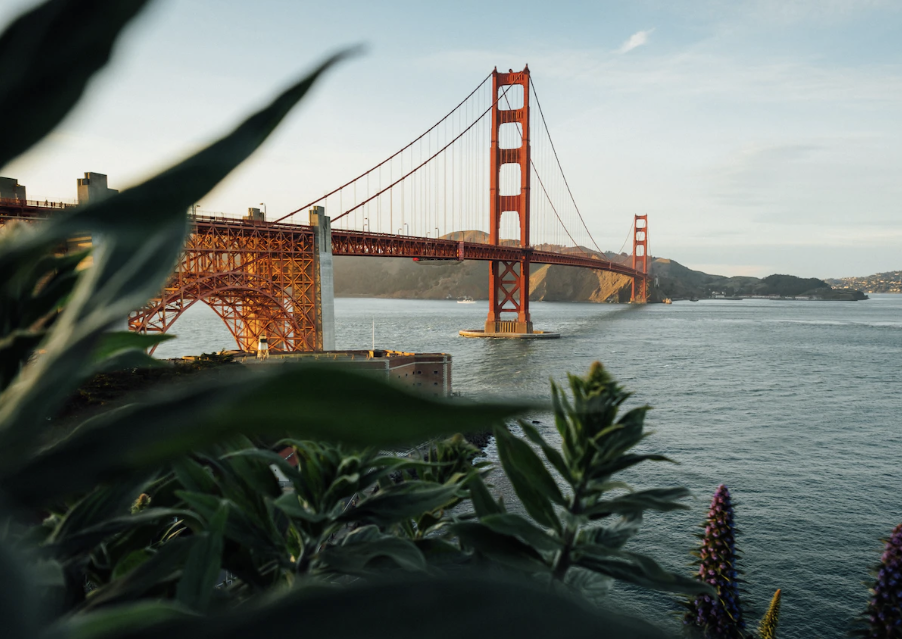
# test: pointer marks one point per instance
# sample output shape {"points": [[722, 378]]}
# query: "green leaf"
{"points": [[482, 499], [517, 526], [614, 535], [114, 622], [74, 543], [309, 402], [289, 504], [114, 343], [593, 586], [660, 499], [248, 530], [637, 569], [18, 605], [441, 553], [47, 573], [98, 506], [131, 561], [402, 501], [204, 563], [250, 476], [162, 568], [533, 484], [48, 55], [365, 545], [505, 550], [194, 477], [411, 609], [15, 349], [551, 454], [269, 457]]}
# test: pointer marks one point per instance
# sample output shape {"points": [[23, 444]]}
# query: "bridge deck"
{"points": [[362, 243]]}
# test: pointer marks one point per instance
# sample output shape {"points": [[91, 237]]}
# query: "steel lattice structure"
{"points": [[258, 278]]}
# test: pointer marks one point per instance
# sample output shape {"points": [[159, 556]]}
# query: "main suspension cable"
{"points": [[391, 157], [422, 164], [548, 133]]}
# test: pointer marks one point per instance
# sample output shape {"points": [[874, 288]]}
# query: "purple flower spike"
{"points": [[718, 617], [884, 614]]}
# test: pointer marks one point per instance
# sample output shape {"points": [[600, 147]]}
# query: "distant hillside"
{"points": [[889, 282], [676, 281], [404, 278]]}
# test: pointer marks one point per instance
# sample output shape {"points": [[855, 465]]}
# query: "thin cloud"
{"points": [[636, 40]]}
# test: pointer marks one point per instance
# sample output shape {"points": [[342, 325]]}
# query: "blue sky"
{"points": [[760, 136]]}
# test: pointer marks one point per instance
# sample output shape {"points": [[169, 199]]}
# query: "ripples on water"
{"points": [[794, 405]]}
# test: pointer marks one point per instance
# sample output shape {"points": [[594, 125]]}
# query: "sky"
{"points": [[760, 136]]}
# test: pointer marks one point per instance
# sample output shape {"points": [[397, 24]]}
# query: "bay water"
{"points": [[795, 406]]}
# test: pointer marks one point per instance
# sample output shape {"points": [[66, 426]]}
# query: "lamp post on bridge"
{"points": [[263, 204], [366, 224]]}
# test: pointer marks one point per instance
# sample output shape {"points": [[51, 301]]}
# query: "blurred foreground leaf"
{"points": [[305, 402], [48, 55], [412, 609]]}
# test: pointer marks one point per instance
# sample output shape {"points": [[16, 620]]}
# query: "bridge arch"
{"points": [[248, 304]]}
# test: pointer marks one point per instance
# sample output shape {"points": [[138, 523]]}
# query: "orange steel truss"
{"points": [[640, 259], [509, 279], [258, 278]]}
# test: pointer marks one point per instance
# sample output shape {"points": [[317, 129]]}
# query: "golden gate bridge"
{"points": [[483, 183]]}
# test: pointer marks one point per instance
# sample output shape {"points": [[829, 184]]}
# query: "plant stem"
{"points": [[562, 561]]}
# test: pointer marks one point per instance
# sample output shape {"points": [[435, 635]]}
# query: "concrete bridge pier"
{"points": [[323, 279]]}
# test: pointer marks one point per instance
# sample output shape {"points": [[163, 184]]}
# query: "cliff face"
{"points": [[404, 278]]}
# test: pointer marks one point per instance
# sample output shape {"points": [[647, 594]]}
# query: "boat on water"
{"points": [[667, 300], [466, 299]]}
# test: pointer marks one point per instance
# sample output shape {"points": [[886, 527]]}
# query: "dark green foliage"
{"points": [[577, 535], [30, 301], [410, 609], [38, 89]]}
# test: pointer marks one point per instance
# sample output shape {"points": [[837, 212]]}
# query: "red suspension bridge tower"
{"points": [[640, 259], [509, 280]]}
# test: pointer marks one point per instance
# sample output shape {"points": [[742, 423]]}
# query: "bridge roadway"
{"points": [[363, 243], [358, 243], [263, 278]]}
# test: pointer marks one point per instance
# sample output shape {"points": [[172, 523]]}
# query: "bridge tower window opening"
{"points": [[510, 135], [510, 227], [511, 96], [509, 179]]}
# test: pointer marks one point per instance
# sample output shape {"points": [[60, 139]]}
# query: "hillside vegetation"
{"points": [[407, 279]]}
